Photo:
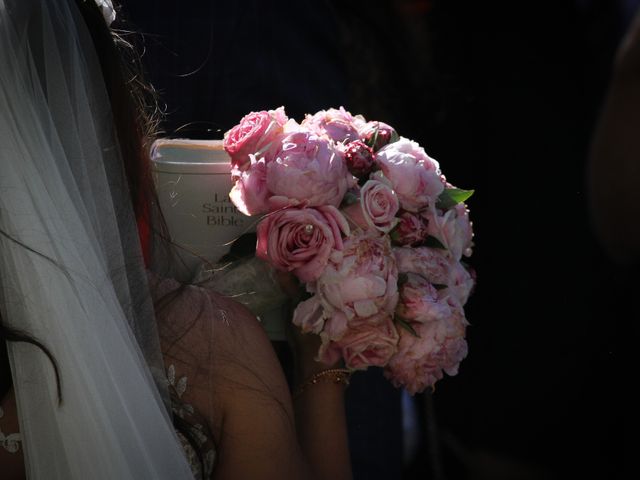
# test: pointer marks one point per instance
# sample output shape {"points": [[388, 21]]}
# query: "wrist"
{"points": [[309, 366], [333, 377]]}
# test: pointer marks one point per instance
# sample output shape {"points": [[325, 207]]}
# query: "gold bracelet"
{"points": [[339, 376]]}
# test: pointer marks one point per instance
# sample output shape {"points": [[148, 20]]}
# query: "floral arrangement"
{"points": [[376, 235]]}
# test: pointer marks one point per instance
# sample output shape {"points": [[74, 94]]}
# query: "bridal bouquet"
{"points": [[369, 225]]}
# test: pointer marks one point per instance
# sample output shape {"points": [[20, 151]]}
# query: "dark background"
{"points": [[506, 96]]}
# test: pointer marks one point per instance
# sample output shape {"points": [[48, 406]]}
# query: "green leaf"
{"points": [[394, 236], [349, 199], [304, 295], [373, 139], [433, 242], [407, 326], [451, 197]]}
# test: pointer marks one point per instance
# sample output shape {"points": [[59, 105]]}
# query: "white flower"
{"points": [[108, 12]]}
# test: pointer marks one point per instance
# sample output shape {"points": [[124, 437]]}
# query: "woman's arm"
{"points": [[320, 414], [258, 435], [614, 160], [11, 464]]}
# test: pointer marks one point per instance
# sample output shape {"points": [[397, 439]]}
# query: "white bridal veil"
{"points": [[71, 270]]}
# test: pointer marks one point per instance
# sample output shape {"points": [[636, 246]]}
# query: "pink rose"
{"points": [[301, 240], [413, 175], [434, 265], [337, 124], [369, 344], [255, 132], [380, 205], [420, 361], [410, 230], [377, 134], [307, 170], [420, 301], [376, 209], [453, 229], [249, 193], [359, 158], [360, 282]]}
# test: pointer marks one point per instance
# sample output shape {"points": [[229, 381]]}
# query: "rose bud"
{"points": [[359, 158], [378, 134]]}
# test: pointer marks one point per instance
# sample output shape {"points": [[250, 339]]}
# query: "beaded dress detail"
{"points": [[10, 442]]}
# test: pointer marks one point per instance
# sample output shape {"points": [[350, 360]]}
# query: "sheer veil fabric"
{"points": [[71, 269]]}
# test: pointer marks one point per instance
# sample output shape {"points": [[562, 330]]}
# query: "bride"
{"points": [[103, 384]]}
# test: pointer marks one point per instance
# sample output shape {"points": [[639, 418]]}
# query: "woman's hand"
{"points": [[304, 346], [319, 408]]}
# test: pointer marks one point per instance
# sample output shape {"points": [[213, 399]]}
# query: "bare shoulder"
{"points": [[214, 334], [237, 322], [242, 345], [190, 312], [201, 328], [237, 381], [258, 438]]}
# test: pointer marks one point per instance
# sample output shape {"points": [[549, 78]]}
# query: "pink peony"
{"points": [[370, 344], [421, 302], [329, 352], [377, 134], [413, 175], [433, 264], [336, 325], [438, 268], [453, 229], [461, 283], [255, 132], [249, 193], [359, 283], [411, 229], [308, 171], [308, 315], [301, 240], [337, 124], [420, 361]]}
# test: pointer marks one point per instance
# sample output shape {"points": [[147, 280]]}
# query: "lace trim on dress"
{"points": [[11, 442], [186, 412]]}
